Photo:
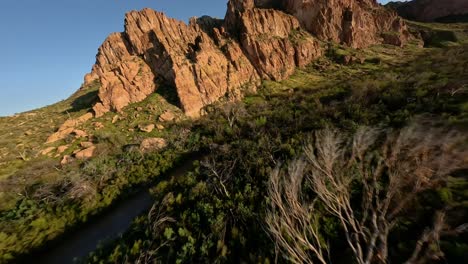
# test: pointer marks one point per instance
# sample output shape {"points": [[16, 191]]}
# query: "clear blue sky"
{"points": [[46, 46]]}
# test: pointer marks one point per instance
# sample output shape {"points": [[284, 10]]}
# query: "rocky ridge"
{"points": [[209, 59]]}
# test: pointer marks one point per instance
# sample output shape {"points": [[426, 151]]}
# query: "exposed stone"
{"points": [[356, 23], [90, 78], [47, 151], [79, 133], [184, 56], [152, 144], [66, 160], [86, 153], [146, 128], [210, 59], [167, 116], [62, 149], [98, 125], [59, 135], [160, 127], [68, 128], [127, 81], [115, 119], [86, 144], [272, 40]]}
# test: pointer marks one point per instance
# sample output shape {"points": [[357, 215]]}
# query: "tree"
{"points": [[389, 176]]}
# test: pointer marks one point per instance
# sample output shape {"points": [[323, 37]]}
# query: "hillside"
{"points": [[432, 10], [244, 97]]}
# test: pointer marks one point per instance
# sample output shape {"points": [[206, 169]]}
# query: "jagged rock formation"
{"points": [[209, 59], [432, 10], [356, 23], [184, 56], [273, 40]]}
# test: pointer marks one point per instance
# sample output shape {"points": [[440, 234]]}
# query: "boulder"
{"points": [[147, 128], [167, 116], [86, 153], [86, 144], [79, 133], [62, 149], [66, 160], [115, 119], [153, 144], [68, 128], [60, 135], [47, 151]]}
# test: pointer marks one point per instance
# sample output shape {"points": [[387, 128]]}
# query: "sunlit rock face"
{"points": [[209, 59]]}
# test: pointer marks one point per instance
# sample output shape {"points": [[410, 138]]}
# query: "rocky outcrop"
{"points": [[85, 153], [433, 10], [69, 128], [184, 56], [125, 78], [356, 23], [273, 40], [209, 59]]}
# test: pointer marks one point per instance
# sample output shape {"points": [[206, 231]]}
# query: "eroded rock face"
{"points": [[273, 41], [209, 59], [125, 78], [184, 56], [356, 23]]}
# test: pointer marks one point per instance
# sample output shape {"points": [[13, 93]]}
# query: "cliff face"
{"points": [[210, 58], [272, 40], [431, 10], [184, 56], [356, 23]]}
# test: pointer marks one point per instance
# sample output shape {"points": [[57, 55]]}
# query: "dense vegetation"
{"points": [[217, 213]]}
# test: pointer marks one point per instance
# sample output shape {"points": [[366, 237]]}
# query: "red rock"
{"points": [[86, 144], [86, 153], [147, 128], [79, 133], [68, 128], [66, 159], [183, 55], [62, 149], [167, 116], [59, 135], [356, 23], [273, 41], [47, 151], [209, 59]]}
